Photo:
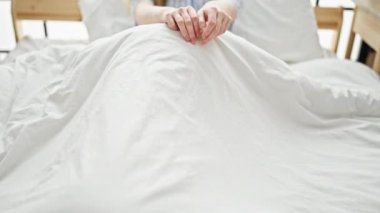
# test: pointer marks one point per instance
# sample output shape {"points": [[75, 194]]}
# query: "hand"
{"points": [[212, 22], [185, 20]]}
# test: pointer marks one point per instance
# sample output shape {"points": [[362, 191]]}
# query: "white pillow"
{"points": [[344, 73], [284, 28], [106, 17]]}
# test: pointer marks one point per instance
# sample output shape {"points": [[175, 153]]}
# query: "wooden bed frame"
{"points": [[366, 23], [68, 10], [331, 19]]}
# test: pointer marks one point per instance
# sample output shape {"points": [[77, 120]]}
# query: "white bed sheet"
{"points": [[338, 72], [135, 124], [28, 45]]}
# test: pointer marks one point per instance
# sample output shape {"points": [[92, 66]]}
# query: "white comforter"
{"points": [[144, 122]]}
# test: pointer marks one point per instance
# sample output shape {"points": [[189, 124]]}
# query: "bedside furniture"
{"points": [[366, 24]]}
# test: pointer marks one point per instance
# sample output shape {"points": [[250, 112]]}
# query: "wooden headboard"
{"points": [[330, 18], [68, 10]]}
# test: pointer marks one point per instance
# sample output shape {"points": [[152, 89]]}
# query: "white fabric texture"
{"points": [[145, 122], [106, 17], [284, 28], [339, 72], [27, 45], [8, 91]]}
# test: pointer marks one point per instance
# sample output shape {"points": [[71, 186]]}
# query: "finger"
{"points": [[181, 25], [218, 26], [195, 20], [202, 21], [171, 23], [211, 15], [217, 30], [189, 25], [213, 35], [225, 25]]}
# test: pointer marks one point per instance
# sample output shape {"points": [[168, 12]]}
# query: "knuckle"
{"points": [[214, 9], [228, 17]]}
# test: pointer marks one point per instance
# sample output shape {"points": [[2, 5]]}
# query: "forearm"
{"points": [[228, 6], [147, 13]]}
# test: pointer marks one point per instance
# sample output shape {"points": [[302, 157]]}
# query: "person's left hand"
{"points": [[212, 22]]}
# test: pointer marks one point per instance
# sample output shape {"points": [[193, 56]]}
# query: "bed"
{"points": [[366, 24], [143, 122], [327, 18]]}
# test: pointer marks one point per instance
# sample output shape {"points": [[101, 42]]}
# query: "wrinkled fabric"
{"points": [[145, 122]]}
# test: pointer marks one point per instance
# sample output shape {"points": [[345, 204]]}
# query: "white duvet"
{"points": [[143, 122]]}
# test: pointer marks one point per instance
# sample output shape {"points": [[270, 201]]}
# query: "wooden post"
{"points": [[376, 65], [331, 19], [16, 22], [338, 30], [351, 38]]}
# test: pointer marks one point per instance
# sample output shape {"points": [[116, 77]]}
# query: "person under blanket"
{"points": [[195, 19], [143, 122]]}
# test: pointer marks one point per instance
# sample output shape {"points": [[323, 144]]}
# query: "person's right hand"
{"points": [[185, 20]]}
